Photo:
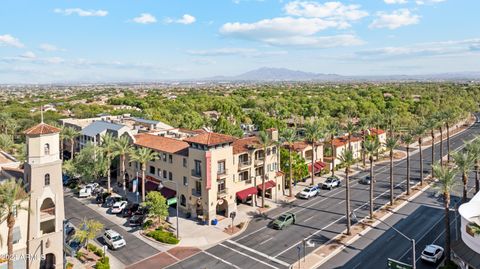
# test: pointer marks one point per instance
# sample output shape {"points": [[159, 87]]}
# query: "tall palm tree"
{"points": [[313, 133], [451, 118], [289, 136], [333, 129], [419, 132], [391, 144], [474, 149], [347, 159], [371, 146], [363, 127], [265, 141], [350, 128], [446, 183], [108, 148], [464, 162], [431, 125], [12, 201], [71, 134], [122, 148], [407, 139], [143, 156], [441, 122]]}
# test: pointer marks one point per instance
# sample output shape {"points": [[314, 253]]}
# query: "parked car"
{"points": [[137, 219], [113, 239], [118, 207], [111, 200], [366, 180], [331, 182], [129, 210], [69, 232], [85, 191], [98, 190], [283, 221], [432, 253], [73, 247], [308, 192], [65, 179]]}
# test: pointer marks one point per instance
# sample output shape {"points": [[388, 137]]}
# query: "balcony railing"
{"points": [[221, 174], [47, 213], [196, 173], [244, 164], [259, 161], [196, 192], [222, 192]]}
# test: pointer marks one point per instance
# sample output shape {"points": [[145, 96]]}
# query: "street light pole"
{"points": [[414, 261]]}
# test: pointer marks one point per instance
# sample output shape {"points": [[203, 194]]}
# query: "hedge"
{"points": [[103, 263], [163, 236]]}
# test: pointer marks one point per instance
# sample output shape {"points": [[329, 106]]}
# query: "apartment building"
{"points": [[210, 173], [305, 150], [466, 249]]}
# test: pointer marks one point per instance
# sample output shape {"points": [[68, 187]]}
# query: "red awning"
{"points": [[318, 166], [167, 193], [242, 195], [149, 185], [268, 185]]}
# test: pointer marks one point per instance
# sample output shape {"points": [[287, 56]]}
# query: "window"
{"points": [[46, 149], [152, 170], [170, 158], [164, 174], [184, 162], [259, 171], [198, 187], [274, 150], [47, 179], [269, 151], [170, 176], [183, 200], [221, 185], [269, 167], [221, 167], [198, 167], [185, 181], [243, 176], [159, 172], [164, 157]]}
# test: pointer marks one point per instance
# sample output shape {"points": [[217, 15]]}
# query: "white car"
{"points": [[331, 182], [308, 192], [432, 253], [87, 190], [113, 239], [118, 207]]}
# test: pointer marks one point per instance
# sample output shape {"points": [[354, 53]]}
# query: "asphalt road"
{"points": [[134, 251], [321, 218]]}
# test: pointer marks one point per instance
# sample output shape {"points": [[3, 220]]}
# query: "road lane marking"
{"points": [[259, 253], [250, 257], [222, 260], [307, 219]]}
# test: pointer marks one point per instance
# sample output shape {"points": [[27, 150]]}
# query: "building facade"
{"points": [[466, 250]]}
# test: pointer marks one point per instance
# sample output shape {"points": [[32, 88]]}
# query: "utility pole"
{"points": [[414, 258]]}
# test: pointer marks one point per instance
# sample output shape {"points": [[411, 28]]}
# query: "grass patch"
{"points": [[163, 236]]}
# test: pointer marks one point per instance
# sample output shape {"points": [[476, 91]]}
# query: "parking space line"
{"points": [[222, 260], [259, 253], [250, 257]]}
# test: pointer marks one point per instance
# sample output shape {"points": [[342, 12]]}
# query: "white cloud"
{"points": [[328, 10], [394, 20], [81, 12], [145, 18], [28, 55], [391, 2], [8, 40], [50, 47], [428, 2], [185, 19], [245, 52]]}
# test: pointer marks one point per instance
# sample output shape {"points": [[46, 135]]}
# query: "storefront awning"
{"points": [[242, 195], [268, 185], [149, 185], [317, 165], [168, 193]]}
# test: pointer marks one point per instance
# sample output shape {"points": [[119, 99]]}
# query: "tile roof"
{"points": [[161, 143], [374, 131], [245, 144], [41, 128], [210, 139], [343, 140], [6, 158]]}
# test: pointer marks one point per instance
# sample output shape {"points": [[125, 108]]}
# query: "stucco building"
{"points": [[466, 249]]}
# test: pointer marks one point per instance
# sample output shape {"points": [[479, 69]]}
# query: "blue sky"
{"points": [[154, 40]]}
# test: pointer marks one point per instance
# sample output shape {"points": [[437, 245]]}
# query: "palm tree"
{"points": [[6, 142], [108, 148], [265, 141], [432, 124], [363, 127], [89, 230], [419, 132], [122, 148], [474, 149], [451, 118], [143, 156], [407, 140], [464, 162], [313, 133], [446, 183], [333, 129], [441, 121], [70, 134], [350, 128], [347, 159], [12, 201], [391, 144], [371, 146], [289, 136]]}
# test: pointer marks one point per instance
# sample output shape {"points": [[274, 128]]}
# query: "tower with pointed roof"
{"points": [[43, 173]]}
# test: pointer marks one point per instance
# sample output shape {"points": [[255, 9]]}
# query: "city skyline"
{"points": [[78, 41]]}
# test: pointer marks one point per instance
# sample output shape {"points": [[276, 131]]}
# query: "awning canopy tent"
{"points": [[242, 195], [166, 192], [318, 166], [268, 185]]}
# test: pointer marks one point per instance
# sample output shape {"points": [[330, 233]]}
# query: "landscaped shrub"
{"points": [[69, 265], [147, 224], [91, 247], [103, 263], [240, 225], [163, 236]]}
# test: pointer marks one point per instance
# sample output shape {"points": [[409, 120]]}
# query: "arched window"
{"points": [[183, 200], [47, 179], [46, 149]]}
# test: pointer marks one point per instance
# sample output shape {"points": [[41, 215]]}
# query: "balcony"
{"points": [[47, 213], [222, 174], [196, 173], [197, 193], [244, 164], [259, 161], [222, 193]]}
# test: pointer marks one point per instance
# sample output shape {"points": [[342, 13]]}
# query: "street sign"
{"points": [[393, 264], [172, 201]]}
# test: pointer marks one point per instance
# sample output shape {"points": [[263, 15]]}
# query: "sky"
{"points": [[153, 40]]}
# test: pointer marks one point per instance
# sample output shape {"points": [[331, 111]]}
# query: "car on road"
{"points": [[118, 207], [283, 221], [331, 182], [113, 239], [87, 190], [309, 192], [111, 200], [138, 217], [129, 210], [365, 180], [432, 253]]}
